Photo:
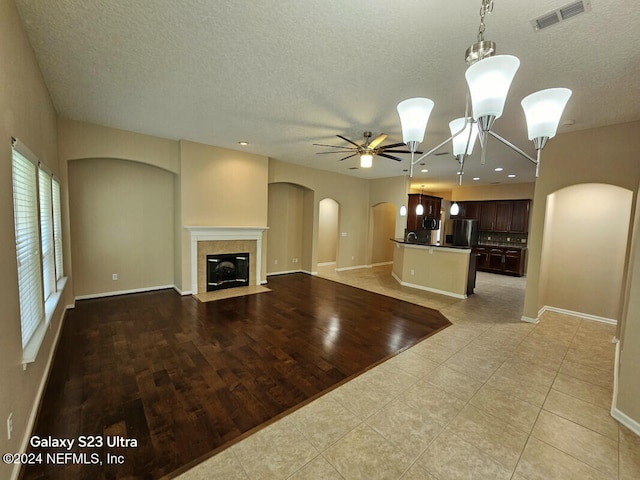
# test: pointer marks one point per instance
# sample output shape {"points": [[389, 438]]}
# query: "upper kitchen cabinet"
{"points": [[520, 216], [431, 205], [487, 217], [504, 216]]}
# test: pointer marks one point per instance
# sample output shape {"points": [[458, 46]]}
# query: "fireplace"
{"points": [[227, 270], [220, 241]]}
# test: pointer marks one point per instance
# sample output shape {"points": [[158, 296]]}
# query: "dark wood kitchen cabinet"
{"points": [[431, 205], [487, 216], [500, 216], [482, 257], [498, 259], [503, 217], [520, 216]]}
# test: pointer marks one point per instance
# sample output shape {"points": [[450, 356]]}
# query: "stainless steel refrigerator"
{"points": [[465, 232]]}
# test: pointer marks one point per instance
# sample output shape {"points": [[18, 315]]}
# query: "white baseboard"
{"points": [[529, 319], [621, 417], [124, 292], [428, 289], [326, 264], [381, 264], [355, 267], [585, 316], [182, 292], [625, 420]]}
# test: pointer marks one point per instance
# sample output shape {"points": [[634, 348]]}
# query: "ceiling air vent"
{"points": [[561, 14]]}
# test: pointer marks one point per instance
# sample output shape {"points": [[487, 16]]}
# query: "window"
{"points": [[37, 221]]}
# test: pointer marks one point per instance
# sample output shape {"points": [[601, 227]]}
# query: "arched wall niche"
{"points": [[584, 249]]}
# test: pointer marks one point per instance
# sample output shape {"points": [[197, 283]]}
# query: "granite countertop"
{"points": [[419, 244]]}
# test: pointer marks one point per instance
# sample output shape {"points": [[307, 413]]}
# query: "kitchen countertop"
{"points": [[417, 244]]}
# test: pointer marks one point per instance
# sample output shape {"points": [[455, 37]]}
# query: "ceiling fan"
{"points": [[367, 150]]}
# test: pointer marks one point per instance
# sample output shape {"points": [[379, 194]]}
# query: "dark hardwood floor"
{"points": [[185, 378]]}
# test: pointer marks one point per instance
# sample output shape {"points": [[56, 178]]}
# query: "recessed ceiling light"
{"points": [[424, 170], [476, 178], [243, 143], [512, 175], [498, 169]]}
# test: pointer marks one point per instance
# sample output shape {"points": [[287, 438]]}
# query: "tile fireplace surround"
{"points": [[216, 240]]}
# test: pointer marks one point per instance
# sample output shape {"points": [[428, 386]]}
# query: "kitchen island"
{"points": [[444, 270]]}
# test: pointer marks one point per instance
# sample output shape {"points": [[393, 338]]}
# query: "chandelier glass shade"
{"points": [[414, 115], [543, 110], [489, 81], [463, 143]]}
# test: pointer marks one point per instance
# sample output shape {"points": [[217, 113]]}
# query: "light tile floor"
{"points": [[490, 397]]}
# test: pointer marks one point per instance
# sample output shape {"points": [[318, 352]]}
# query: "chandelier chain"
{"points": [[485, 8]]}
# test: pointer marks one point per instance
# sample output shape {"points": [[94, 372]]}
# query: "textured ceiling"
{"points": [[285, 74]]}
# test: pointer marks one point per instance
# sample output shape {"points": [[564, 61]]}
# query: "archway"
{"points": [[584, 249]]}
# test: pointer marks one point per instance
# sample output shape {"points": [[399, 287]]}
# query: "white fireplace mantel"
{"points": [[203, 234]]}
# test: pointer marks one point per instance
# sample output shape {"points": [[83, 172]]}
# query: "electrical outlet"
{"points": [[114, 276], [9, 425], [275, 262], [413, 271]]}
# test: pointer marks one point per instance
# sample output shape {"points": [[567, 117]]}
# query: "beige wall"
{"points": [[285, 234], [511, 191], [627, 401], [26, 112], [582, 264], [350, 192], [328, 231], [394, 190], [220, 187], [383, 226], [121, 223], [607, 155], [81, 140]]}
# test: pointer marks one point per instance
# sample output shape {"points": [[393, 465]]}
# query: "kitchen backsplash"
{"points": [[507, 239]]}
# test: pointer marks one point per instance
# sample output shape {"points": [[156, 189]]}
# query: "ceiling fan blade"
{"points": [[347, 157], [378, 140], [401, 151], [393, 145], [332, 146], [347, 140], [390, 156]]}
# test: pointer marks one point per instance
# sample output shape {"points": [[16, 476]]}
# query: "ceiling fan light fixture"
{"points": [[414, 115], [543, 110], [366, 160]]}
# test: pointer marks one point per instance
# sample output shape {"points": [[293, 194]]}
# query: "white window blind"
{"points": [[46, 233], [57, 228], [25, 207]]}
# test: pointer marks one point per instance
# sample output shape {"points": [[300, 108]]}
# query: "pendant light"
{"points": [[455, 208], [420, 207]]}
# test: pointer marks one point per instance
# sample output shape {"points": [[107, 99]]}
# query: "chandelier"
{"points": [[489, 77]]}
